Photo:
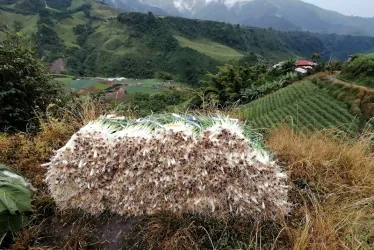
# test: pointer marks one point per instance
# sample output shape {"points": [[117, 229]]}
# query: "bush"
{"points": [[163, 75], [360, 70], [24, 84]]}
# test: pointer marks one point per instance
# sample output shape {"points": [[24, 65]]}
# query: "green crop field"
{"points": [[151, 82], [82, 84], [141, 89], [65, 79], [212, 49], [303, 105], [101, 86]]}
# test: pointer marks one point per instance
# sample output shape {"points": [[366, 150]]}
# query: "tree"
{"points": [[87, 13], [24, 84], [288, 66], [17, 25], [163, 75], [316, 56], [227, 84]]}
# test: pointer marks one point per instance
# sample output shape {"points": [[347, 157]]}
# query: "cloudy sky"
{"points": [[348, 7]]}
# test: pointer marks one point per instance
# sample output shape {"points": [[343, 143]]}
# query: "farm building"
{"points": [[302, 66], [304, 63], [299, 63]]}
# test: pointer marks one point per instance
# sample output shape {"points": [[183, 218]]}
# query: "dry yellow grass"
{"points": [[339, 203], [333, 194], [26, 152]]}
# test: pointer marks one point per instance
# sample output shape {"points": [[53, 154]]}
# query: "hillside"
{"points": [[99, 42], [305, 105], [278, 14], [360, 70]]}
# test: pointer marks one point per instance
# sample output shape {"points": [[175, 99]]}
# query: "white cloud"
{"points": [[183, 5], [228, 3]]}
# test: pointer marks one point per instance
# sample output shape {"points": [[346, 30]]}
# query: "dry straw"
{"points": [[207, 165]]}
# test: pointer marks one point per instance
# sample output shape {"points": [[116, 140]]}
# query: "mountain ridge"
{"points": [[294, 15], [98, 42]]}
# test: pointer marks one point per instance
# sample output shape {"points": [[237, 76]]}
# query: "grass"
{"points": [[360, 71], [151, 82], [64, 29], [28, 21], [65, 80], [141, 89], [77, 3], [101, 86], [147, 86], [212, 49], [331, 179], [337, 181], [112, 39], [82, 84], [102, 11]]}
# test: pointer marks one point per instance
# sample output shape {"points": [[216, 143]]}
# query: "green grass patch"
{"points": [[101, 86], [102, 11], [76, 3], [212, 49], [28, 21], [360, 71], [151, 82], [64, 29], [65, 80], [141, 89], [82, 84]]}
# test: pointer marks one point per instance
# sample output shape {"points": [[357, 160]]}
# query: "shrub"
{"points": [[360, 70], [163, 75], [24, 84]]}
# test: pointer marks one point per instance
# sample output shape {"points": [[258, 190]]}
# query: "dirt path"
{"points": [[334, 79]]}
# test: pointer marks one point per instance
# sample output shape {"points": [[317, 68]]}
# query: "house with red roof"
{"points": [[302, 66], [304, 63]]}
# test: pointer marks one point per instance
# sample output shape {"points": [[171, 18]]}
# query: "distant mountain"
{"points": [[96, 40], [135, 6], [284, 15], [278, 14]]}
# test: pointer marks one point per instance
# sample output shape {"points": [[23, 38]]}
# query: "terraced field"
{"points": [[303, 105]]}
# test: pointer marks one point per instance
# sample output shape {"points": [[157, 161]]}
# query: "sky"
{"points": [[364, 8]]}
